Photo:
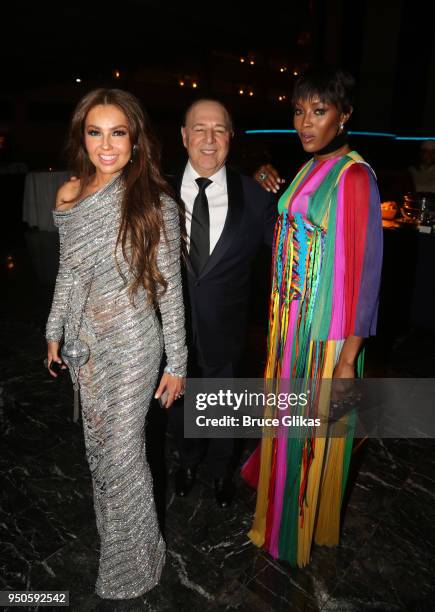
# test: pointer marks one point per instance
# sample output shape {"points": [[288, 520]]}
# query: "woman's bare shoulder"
{"points": [[67, 194]]}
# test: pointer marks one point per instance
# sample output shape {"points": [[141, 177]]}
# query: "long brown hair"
{"points": [[141, 213]]}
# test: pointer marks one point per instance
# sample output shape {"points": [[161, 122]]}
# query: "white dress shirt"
{"points": [[217, 196]]}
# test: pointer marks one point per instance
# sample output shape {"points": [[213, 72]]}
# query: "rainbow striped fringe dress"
{"points": [[326, 275]]}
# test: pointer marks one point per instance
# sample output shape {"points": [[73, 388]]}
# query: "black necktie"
{"points": [[200, 227]]}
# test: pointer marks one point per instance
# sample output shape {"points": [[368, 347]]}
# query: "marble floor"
{"points": [[48, 538]]}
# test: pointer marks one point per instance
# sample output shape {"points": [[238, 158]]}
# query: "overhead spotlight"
{"points": [[241, 92], [252, 62], [78, 80], [242, 60], [295, 72], [251, 93], [194, 84], [181, 83], [116, 74]]}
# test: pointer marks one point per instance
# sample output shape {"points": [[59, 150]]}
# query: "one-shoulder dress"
{"points": [[117, 383]]}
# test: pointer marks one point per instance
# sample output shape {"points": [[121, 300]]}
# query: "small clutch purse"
{"points": [[75, 353]]}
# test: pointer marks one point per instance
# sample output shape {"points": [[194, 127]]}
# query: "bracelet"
{"points": [[169, 370]]}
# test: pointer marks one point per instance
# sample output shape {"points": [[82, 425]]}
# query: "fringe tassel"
{"points": [[76, 405], [328, 521]]}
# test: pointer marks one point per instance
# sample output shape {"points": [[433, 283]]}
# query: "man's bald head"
{"points": [[229, 119]]}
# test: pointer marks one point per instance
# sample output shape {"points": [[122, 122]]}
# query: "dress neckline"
{"points": [[334, 157], [89, 198]]}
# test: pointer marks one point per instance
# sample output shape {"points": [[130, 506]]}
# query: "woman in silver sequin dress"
{"points": [[119, 261]]}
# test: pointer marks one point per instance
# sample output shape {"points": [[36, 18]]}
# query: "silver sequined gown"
{"points": [[118, 382]]}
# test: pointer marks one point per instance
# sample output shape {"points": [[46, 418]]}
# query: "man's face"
{"points": [[207, 136]]}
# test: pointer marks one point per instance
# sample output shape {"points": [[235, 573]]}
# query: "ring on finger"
{"points": [[262, 176]]}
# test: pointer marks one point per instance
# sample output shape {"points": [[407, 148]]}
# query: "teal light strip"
{"points": [[270, 131], [375, 134], [415, 137], [352, 133]]}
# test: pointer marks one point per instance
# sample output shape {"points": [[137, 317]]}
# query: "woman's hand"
{"points": [[346, 364], [53, 355], [344, 370], [67, 194], [173, 385], [268, 178], [342, 386]]}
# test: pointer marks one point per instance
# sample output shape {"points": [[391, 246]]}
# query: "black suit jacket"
{"points": [[217, 299]]}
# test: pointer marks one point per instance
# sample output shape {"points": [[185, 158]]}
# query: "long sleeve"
{"points": [[363, 241], [171, 302], [56, 319]]}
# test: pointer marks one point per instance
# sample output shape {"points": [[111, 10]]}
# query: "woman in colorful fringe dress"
{"points": [[326, 276]]}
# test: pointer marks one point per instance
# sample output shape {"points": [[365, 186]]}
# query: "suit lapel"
{"points": [[232, 221], [176, 181]]}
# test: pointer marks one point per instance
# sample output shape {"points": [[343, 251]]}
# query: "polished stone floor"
{"points": [[48, 539]]}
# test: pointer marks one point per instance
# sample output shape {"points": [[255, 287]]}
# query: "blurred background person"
{"points": [[423, 174]]}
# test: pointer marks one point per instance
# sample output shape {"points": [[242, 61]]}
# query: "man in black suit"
{"points": [[228, 217]]}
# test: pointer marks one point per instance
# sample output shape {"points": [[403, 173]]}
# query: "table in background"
{"points": [[39, 198], [408, 280], [42, 239]]}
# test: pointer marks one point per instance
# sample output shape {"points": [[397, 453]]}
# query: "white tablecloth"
{"points": [[39, 198]]}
